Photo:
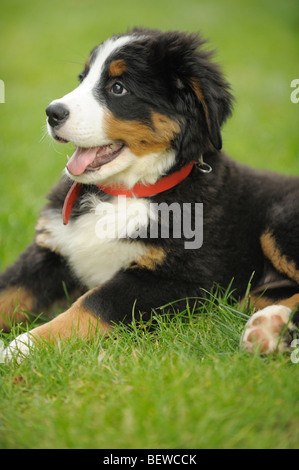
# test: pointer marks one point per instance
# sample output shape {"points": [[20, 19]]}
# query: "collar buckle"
{"points": [[203, 166]]}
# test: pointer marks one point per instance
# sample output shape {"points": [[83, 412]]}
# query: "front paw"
{"points": [[265, 330], [18, 349]]}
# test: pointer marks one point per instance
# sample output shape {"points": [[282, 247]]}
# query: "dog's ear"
{"points": [[216, 107], [197, 73], [212, 92], [200, 90]]}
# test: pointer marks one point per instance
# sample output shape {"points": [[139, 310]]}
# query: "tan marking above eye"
{"points": [[117, 68], [87, 63]]}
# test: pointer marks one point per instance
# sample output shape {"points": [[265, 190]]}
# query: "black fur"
{"points": [[169, 73]]}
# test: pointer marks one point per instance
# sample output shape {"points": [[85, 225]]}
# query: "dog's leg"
{"points": [[78, 320], [33, 284], [128, 295], [272, 328], [15, 301]]}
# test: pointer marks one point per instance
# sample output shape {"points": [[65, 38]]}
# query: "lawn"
{"points": [[185, 383]]}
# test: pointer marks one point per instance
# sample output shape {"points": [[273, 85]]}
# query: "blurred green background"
{"points": [[43, 46]]}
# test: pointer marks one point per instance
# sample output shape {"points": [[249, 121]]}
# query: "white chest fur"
{"points": [[94, 243]]}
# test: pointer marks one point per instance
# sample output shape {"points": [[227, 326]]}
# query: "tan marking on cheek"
{"points": [[153, 257], [14, 302], [76, 321], [142, 139], [117, 68]]}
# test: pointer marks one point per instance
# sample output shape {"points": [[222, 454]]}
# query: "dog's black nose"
{"points": [[57, 114]]}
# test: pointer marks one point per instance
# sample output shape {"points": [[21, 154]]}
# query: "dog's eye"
{"points": [[118, 89]]}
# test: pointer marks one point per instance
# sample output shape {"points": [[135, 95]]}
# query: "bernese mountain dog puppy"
{"points": [[150, 211]]}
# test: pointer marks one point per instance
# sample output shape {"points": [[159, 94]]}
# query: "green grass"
{"points": [[185, 384]]}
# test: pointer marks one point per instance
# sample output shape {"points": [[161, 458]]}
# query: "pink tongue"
{"points": [[92, 158], [81, 159]]}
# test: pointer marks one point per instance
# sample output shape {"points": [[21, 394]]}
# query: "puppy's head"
{"points": [[147, 102]]}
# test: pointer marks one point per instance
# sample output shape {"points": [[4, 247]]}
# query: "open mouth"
{"points": [[92, 159]]}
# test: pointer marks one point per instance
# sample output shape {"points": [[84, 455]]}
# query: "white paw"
{"points": [[264, 329], [18, 349]]}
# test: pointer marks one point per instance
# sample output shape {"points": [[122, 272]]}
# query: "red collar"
{"points": [[139, 190]]}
